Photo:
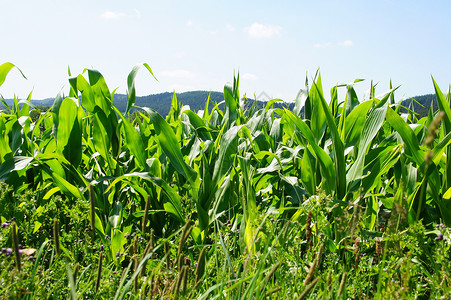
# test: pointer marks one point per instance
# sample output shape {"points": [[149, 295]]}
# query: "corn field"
{"points": [[226, 203]]}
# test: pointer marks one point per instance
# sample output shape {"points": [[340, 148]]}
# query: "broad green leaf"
{"points": [[87, 94], [447, 194], [171, 147], [199, 125], [325, 162], [133, 140], [377, 163], [270, 104], [67, 187], [66, 116], [176, 109], [318, 121], [16, 163], [353, 125], [69, 139], [102, 135], [352, 100], [308, 173], [276, 134], [118, 241], [114, 218], [5, 69], [301, 99], [174, 207], [337, 143], [228, 147], [444, 106], [371, 212], [372, 126], [101, 93], [231, 113], [5, 150], [440, 148], [50, 193], [131, 92], [407, 135]]}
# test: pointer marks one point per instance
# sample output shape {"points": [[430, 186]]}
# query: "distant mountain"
{"points": [[420, 104], [162, 102], [196, 101], [45, 102]]}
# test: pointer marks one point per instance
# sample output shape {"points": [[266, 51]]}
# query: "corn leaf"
{"points": [[5, 69]]}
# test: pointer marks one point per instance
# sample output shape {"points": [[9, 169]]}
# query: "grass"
{"points": [[398, 261]]}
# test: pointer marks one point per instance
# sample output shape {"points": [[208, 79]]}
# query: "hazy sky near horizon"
{"points": [[198, 45]]}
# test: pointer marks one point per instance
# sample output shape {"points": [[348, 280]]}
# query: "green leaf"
{"points": [[318, 121], [371, 212], [351, 99], [199, 125], [337, 143], [5, 69], [301, 99], [447, 195], [50, 193], [118, 241], [372, 126], [102, 135], [228, 147], [444, 106], [131, 92], [354, 122], [232, 104], [134, 141], [325, 162], [175, 206], [408, 136], [87, 94], [67, 187], [170, 146], [69, 141], [378, 162], [16, 163], [114, 219], [308, 173]]}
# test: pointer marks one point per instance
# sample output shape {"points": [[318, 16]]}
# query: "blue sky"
{"points": [[198, 45]]}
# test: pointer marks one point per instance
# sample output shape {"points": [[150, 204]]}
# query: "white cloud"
{"points": [[230, 27], [258, 30], [111, 15], [249, 76], [178, 74], [189, 23], [323, 45], [138, 13], [347, 43]]}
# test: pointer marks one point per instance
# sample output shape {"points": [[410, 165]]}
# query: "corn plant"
{"points": [[240, 166]]}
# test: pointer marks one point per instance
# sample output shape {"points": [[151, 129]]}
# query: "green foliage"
{"points": [[341, 198]]}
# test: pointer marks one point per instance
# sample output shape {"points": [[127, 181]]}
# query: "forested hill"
{"points": [[162, 102], [421, 105], [196, 101]]}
